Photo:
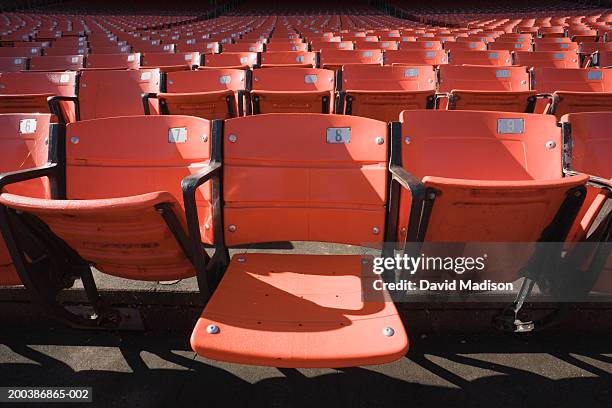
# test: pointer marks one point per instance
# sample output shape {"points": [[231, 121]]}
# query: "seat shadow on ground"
{"points": [[160, 370]]}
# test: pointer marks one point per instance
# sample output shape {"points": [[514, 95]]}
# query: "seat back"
{"points": [[335, 59], [554, 59], [167, 59], [465, 57], [240, 60], [13, 64], [108, 93], [118, 172], [423, 57], [288, 89], [57, 63], [481, 78], [549, 80], [211, 93], [289, 58], [113, 61], [23, 145], [286, 46], [298, 177], [420, 45], [465, 46]]}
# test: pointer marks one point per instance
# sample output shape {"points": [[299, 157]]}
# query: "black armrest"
{"points": [[54, 106], [145, 101], [18, 176], [598, 182], [437, 97], [193, 181], [340, 101], [408, 181]]}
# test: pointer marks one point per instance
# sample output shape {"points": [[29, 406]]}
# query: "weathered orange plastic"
{"points": [[553, 59], [57, 63], [118, 169], [108, 93], [466, 57], [22, 146], [591, 144], [13, 64], [289, 59], [284, 181], [493, 187], [240, 60], [335, 59], [576, 90], [288, 89], [382, 92], [417, 57], [286, 46], [203, 93], [420, 45], [465, 46], [485, 88], [169, 62], [113, 61]]}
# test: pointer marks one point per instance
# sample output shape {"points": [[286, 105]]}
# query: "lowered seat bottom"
{"points": [[299, 311]]}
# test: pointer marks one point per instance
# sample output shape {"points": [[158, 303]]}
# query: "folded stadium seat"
{"points": [[465, 46], [106, 93], [288, 89], [290, 310], [507, 185], [423, 57], [19, 51], [213, 93], [603, 59], [120, 206], [13, 64], [277, 46], [379, 45], [27, 92], [485, 88], [333, 45], [201, 47], [22, 146], [553, 59], [243, 47], [587, 145], [463, 57], [574, 90], [383, 92], [241, 60], [113, 61], [335, 59], [57, 63], [420, 45], [509, 46], [555, 46], [168, 62], [62, 51], [289, 59]]}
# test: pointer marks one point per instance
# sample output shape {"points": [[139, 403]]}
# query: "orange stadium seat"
{"points": [[289, 59], [22, 147], [240, 60], [113, 61], [574, 90], [553, 59], [57, 63], [13, 64], [208, 93], [507, 185], [167, 61], [288, 90], [382, 92], [486, 88], [130, 189], [436, 57], [280, 47], [289, 310], [463, 57], [335, 59]]}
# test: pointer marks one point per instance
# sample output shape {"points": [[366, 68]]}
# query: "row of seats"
{"points": [[136, 197], [378, 92], [332, 59]]}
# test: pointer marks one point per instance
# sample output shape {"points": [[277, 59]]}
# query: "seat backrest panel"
{"points": [[108, 93], [372, 77], [283, 180], [52, 83], [293, 79], [591, 143], [479, 78], [57, 63], [116, 61], [206, 80], [549, 80], [434, 148]]}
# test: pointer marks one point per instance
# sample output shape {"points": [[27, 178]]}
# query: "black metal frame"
{"points": [[46, 264], [55, 108], [423, 200]]}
